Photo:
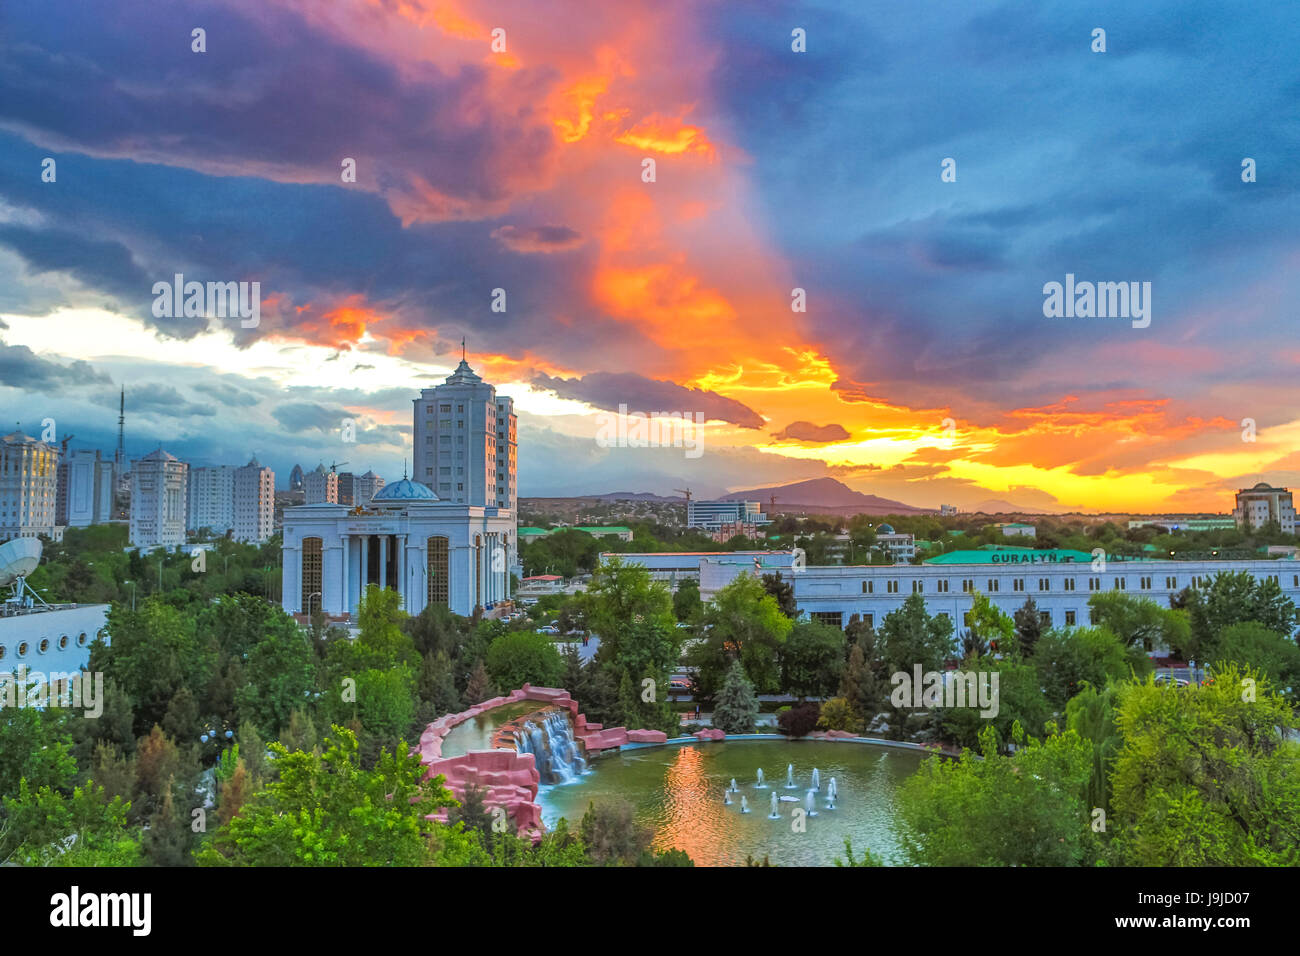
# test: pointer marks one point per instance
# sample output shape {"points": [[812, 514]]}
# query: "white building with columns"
{"points": [[428, 550]]}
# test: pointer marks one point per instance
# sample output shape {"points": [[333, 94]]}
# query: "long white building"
{"points": [[428, 550], [1059, 585]]}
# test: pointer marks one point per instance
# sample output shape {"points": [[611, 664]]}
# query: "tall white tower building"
{"points": [[254, 502], [158, 486], [86, 489], [28, 486], [320, 486], [211, 499], [464, 441]]}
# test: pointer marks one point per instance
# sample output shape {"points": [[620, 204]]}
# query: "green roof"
{"points": [[1013, 556], [592, 529], [538, 531]]}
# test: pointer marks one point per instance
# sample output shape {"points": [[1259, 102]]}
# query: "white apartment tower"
{"points": [[320, 486], [86, 489], [158, 499], [254, 502], [1262, 504], [507, 449], [465, 441], [211, 499], [28, 486]]}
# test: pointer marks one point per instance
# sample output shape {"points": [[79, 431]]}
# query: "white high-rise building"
{"points": [[507, 454], [320, 487], [1258, 506], [211, 499], [158, 499], [365, 487], [464, 441], [86, 487], [254, 502], [28, 486]]}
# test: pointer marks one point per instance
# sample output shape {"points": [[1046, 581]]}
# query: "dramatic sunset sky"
{"points": [[522, 170]]}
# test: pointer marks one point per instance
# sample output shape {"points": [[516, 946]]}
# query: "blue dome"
{"points": [[886, 529], [405, 490]]}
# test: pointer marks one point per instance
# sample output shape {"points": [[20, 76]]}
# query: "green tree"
{"points": [[687, 605], [837, 714], [36, 747], [812, 660], [325, 810], [522, 658], [736, 708], [1026, 809], [1029, 627], [612, 834], [1206, 775], [1091, 714], [279, 674], [43, 827], [744, 623], [783, 592], [1067, 657], [1234, 598], [1139, 622], [1251, 644], [1020, 701]]}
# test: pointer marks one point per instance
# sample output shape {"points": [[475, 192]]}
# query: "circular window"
{"points": [[44, 646], [3, 651], [81, 639], [22, 649], [63, 642]]}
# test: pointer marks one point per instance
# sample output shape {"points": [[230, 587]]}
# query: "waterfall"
{"points": [[554, 750]]}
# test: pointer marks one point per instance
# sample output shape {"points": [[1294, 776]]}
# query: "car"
{"points": [[548, 629], [680, 685], [1170, 679]]}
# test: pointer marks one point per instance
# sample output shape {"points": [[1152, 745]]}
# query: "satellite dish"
{"points": [[18, 558]]}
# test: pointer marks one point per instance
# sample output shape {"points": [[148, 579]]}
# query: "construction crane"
{"points": [[771, 510], [63, 451], [334, 466], [684, 491]]}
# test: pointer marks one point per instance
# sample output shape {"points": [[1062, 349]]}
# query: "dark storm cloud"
{"points": [[22, 368], [807, 431], [609, 390]]}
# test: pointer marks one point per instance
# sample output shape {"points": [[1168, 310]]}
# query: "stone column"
{"points": [[364, 577], [383, 541], [347, 555]]}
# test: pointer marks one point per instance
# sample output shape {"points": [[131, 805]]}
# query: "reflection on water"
{"points": [[679, 792], [476, 733]]}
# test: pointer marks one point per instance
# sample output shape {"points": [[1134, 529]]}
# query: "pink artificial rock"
{"points": [[710, 733], [646, 737]]}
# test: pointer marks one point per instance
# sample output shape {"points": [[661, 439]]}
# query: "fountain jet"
{"points": [[774, 815], [744, 804], [789, 777], [810, 803], [760, 785], [817, 779]]}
